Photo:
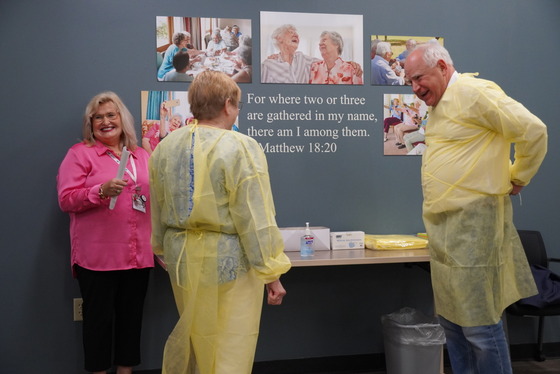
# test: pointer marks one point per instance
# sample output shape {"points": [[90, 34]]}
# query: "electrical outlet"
{"points": [[78, 316]]}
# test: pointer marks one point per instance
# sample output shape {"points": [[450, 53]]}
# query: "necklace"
{"points": [[117, 152]]}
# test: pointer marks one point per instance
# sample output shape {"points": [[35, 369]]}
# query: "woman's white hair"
{"points": [[336, 38], [279, 31], [245, 54]]}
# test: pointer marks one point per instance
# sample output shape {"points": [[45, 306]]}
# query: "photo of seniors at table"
{"points": [[311, 48], [404, 124], [388, 57], [186, 46]]}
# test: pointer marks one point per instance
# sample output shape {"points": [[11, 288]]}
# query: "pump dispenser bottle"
{"points": [[306, 243]]}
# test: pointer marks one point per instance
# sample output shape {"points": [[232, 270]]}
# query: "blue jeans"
{"points": [[478, 349]]}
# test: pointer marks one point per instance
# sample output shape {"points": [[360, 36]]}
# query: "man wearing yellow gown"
{"points": [[478, 265], [213, 220]]}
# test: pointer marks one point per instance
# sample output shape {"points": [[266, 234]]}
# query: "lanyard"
{"points": [[132, 164]]}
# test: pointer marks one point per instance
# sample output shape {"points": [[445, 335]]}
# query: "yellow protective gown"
{"points": [[477, 260], [213, 220]]}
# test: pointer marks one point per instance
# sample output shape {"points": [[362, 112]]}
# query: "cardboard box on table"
{"points": [[292, 236], [347, 239]]}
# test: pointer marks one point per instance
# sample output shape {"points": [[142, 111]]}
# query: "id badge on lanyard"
{"points": [[138, 200]]}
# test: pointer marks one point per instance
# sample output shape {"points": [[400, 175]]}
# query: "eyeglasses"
{"points": [[239, 103], [100, 117]]}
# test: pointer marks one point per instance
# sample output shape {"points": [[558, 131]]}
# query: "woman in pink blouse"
{"points": [[333, 70], [111, 254]]}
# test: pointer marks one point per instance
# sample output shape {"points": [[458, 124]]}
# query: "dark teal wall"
{"points": [[57, 54]]}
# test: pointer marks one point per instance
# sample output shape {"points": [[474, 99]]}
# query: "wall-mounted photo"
{"points": [[388, 57], [311, 48], [162, 113], [404, 124], [186, 46]]}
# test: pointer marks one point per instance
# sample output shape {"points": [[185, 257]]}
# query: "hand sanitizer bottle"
{"points": [[306, 243]]}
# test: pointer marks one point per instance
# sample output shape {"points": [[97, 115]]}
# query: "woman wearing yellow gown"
{"points": [[214, 221]]}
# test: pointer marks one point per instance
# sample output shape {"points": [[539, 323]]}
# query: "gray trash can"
{"points": [[413, 342]]}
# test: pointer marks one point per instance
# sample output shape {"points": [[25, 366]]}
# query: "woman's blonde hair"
{"points": [[209, 92], [128, 136]]}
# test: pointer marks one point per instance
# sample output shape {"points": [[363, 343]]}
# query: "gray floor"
{"points": [[530, 367], [551, 366]]}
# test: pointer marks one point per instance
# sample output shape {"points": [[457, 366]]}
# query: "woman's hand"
{"points": [[515, 189], [275, 292], [275, 56], [163, 111], [114, 187], [163, 118]]}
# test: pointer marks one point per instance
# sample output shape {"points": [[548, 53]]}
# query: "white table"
{"points": [[359, 257]]}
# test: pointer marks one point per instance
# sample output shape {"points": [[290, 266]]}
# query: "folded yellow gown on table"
{"points": [[387, 242]]}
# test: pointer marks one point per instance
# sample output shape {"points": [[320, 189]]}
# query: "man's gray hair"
{"points": [[382, 48], [433, 52], [411, 42]]}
